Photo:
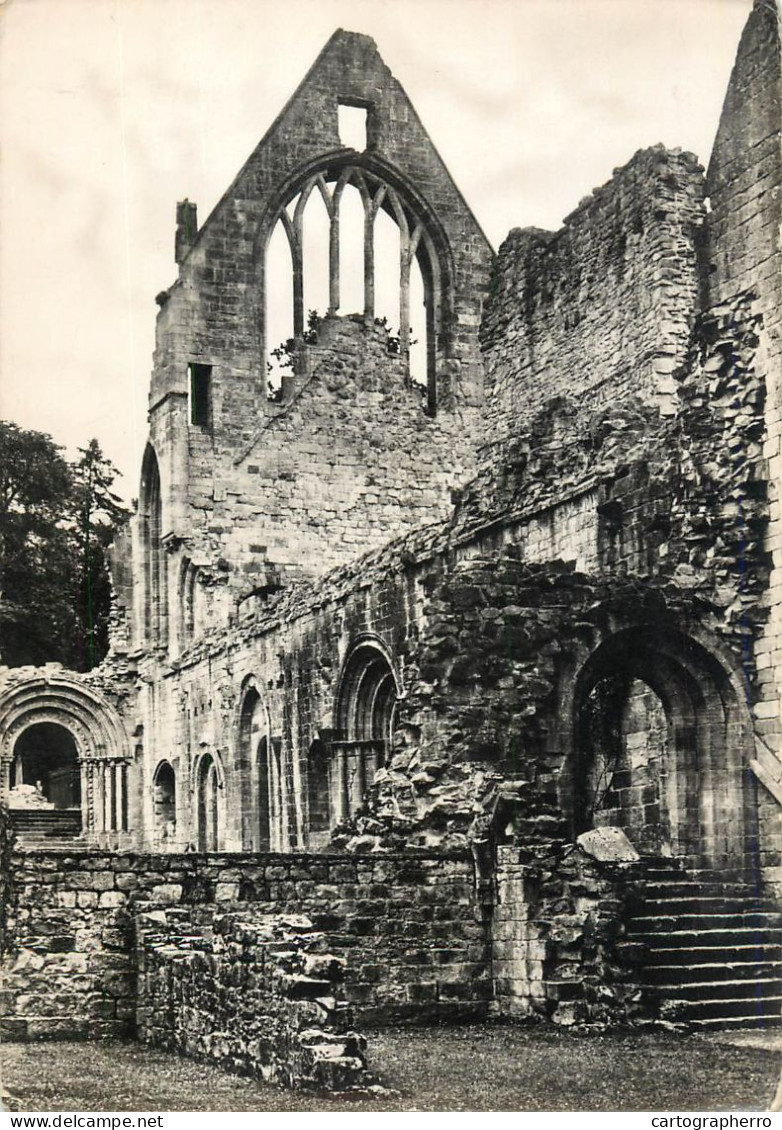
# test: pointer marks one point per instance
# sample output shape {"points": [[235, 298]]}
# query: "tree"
{"points": [[99, 513], [56, 522]]}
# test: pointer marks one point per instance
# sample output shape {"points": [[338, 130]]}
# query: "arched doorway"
{"points": [[623, 738], [209, 805], [660, 740], [45, 755]]}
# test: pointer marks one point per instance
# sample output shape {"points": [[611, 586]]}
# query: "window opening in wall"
{"points": [[279, 311], [260, 782], [187, 603], [351, 252], [419, 335], [200, 394], [318, 788], [386, 253], [352, 126], [154, 560], [358, 248], [316, 241]]}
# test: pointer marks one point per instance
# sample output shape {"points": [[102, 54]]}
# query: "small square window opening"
{"points": [[352, 125]]}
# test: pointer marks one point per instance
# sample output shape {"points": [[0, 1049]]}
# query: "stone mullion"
{"points": [[336, 201], [404, 294], [369, 265], [294, 242], [334, 262], [370, 211], [298, 290], [341, 785]]}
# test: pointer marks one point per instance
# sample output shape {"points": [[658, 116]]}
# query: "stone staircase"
{"points": [[41, 827], [710, 950]]}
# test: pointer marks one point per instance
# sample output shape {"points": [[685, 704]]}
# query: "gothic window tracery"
{"points": [[347, 241]]}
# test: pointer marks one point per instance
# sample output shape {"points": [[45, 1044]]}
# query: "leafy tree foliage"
{"points": [[56, 523]]}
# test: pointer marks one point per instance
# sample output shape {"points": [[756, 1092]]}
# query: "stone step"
{"points": [[708, 947], [767, 1009], [771, 1022], [747, 919], [716, 937], [708, 903], [712, 991], [54, 821], [711, 972], [688, 956], [682, 888]]}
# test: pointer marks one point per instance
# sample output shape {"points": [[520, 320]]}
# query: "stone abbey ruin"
{"points": [[430, 695]]}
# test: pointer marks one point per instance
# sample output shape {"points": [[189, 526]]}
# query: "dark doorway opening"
{"points": [[46, 754]]}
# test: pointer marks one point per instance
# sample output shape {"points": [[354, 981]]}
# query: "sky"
{"points": [[113, 110]]}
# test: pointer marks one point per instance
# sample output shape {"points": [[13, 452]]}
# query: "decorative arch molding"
{"points": [[96, 726], [196, 767], [368, 690], [102, 742]]}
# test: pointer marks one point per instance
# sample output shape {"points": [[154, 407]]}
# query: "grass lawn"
{"points": [[490, 1067]]}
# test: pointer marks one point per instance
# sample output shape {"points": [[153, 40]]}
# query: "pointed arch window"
{"points": [[155, 596], [383, 264]]}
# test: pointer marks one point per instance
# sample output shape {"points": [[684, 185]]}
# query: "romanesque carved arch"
{"points": [[102, 743]]}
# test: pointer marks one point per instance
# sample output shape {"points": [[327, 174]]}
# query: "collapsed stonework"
{"points": [[384, 649]]}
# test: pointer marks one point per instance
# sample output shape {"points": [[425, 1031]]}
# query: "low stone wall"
{"points": [[257, 994], [405, 923], [555, 933]]}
